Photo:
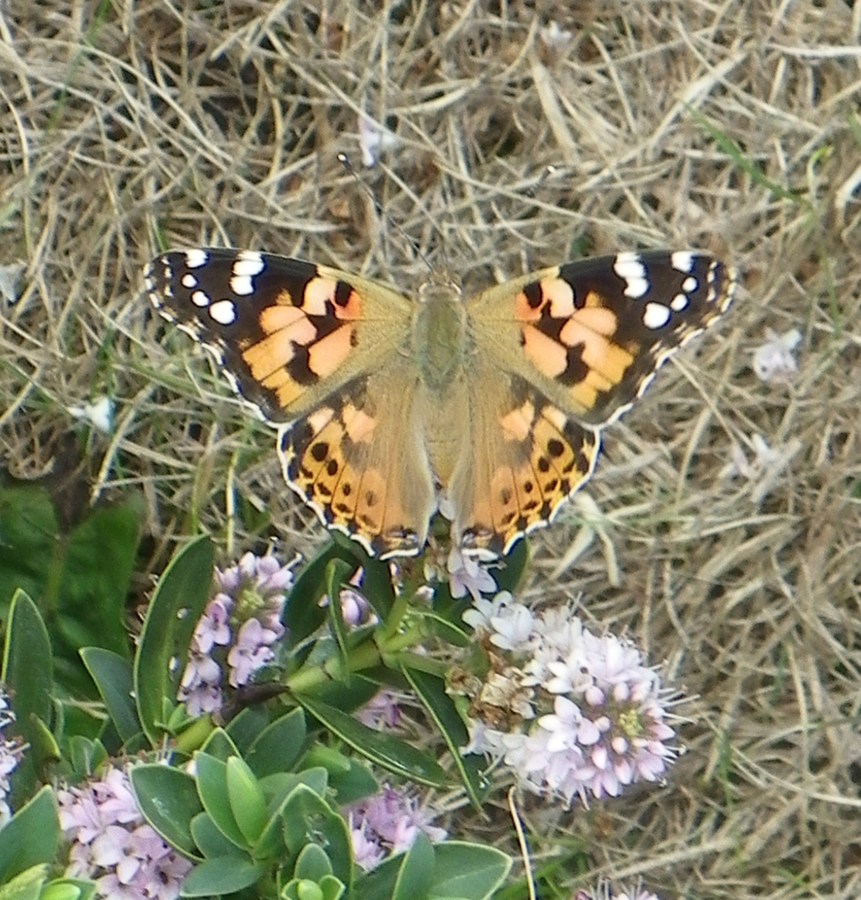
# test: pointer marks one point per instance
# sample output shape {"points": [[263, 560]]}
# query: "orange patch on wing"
{"points": [[318, 293], [548, 355], [358, 424], [282, 317], [326, 355], [523, 311], [517, 424], [560, 296], [351, 310], [268, 355]]}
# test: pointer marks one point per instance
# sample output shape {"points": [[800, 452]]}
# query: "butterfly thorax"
{"points": [[439, 335]]}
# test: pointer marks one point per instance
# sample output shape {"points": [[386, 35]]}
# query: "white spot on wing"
{"points": [[248, 262], [200, 298], [242, 285], [194, 259], [683, 260], [629, 267], [679, 302], [224, 312], [189, 281], [690, 284], [656, 315]]}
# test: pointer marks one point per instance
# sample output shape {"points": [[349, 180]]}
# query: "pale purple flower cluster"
{"points": [[387, 824], [112, 845], [11, 750], [381, 712], [569, 712], [237, 631]]}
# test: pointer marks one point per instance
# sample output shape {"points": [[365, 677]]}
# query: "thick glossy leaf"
{"points": [[69, 889], [219, 745], [468, 871], [338, 573], [31, 837], [212, 789], [226, 875], [417, 870], [389, 752], [353, 784], [246, 799], [440, 707], [247, 726], [209, 840], [461, 872], [169, 801], [313, 864], [302, 614], [27, 673], [306, 815], [27, 885], [178, 602], [115, 684], [278, 747]]}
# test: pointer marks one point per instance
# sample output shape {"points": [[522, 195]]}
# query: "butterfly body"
{"points": [[387, 407]]}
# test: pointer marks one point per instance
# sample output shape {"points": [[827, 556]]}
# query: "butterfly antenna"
{"points": [[344, 160]]}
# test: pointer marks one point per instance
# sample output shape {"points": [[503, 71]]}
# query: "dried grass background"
{"points": [[728, 125]]}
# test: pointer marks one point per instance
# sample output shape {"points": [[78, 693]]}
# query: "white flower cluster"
{"points": [[572, 714]]}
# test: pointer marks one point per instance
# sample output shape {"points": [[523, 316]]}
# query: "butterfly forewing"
{"points": [[593, 333], [286, 331]]}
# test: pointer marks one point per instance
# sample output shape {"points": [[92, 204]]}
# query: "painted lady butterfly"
{"points": [[385, 407]]}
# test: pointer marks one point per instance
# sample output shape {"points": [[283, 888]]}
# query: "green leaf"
{"points": [[178, 603], [69, 889], [85, 756], [313, 864], [383, 749], [169, 801], [25, 886], [114, 681], [212, 789], [246, 727], [27, 660], [278, 747], [302, 614], [210, 841], [468, 871], [462, 871], [246, 799], [510, 574], [219, 745], [354, 783], [217, 877], [98, 562], [31, 837], [307, 818], [338, 573], [27, 672], [417, 870], [441, 708], [78, 578]]}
